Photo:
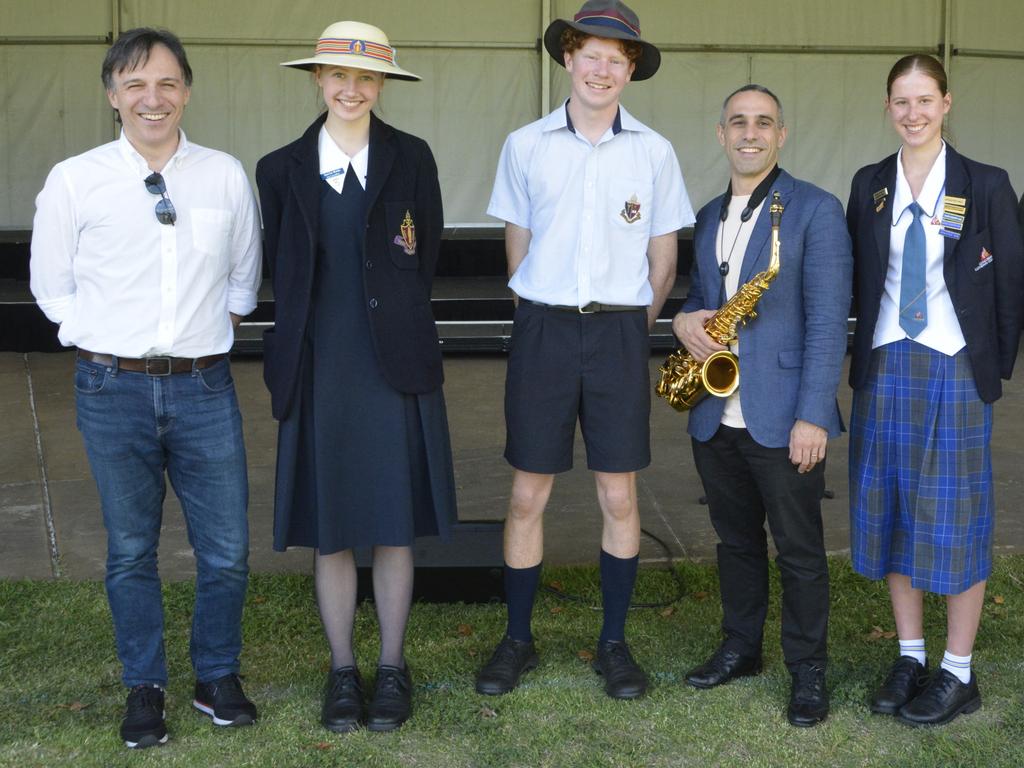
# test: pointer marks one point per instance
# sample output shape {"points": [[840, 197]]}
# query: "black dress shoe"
{"points": [[509, 662], [343, 700], [943, 699], [623, 678], [723, 666], [907, 678], [808, 702], [392, 698]]}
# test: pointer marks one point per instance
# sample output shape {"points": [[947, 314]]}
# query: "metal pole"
{"points": [[545, 60]]}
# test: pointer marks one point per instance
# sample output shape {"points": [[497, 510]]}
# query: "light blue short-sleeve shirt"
{"points": [[591, 209]]}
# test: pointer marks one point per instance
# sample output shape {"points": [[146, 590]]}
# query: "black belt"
{"points": [[587, 309], [154, 366]]}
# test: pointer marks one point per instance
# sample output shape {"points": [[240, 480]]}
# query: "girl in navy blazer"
{"points": [[938, 277], [352, 219]]}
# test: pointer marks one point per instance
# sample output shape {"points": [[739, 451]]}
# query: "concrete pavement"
{"points": [[50, 523]]}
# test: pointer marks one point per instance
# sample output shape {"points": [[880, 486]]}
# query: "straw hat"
{"points": [[605, 18], [357, 45]]}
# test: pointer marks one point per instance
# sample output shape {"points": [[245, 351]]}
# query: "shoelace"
{"points": [[229, 688], [902, 673], [940, 687], [619, 651], [390, 682], [143, 697], [343, 681], [810, 682], [505, 651]]}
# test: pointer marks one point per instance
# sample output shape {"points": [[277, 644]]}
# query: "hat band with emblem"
{"points": [[356, 45]]}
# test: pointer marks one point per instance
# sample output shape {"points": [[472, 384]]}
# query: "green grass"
{"points": [[61, 698]]}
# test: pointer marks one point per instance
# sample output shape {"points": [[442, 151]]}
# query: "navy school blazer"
{"points": [[402, 177], [987, 297]]}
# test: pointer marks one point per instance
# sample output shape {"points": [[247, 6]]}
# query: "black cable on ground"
{"points": [[669, 563]]}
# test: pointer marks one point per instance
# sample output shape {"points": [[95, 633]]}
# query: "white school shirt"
{"points": [[591, 209], [119, 282], [335, 163], [942, 333]]}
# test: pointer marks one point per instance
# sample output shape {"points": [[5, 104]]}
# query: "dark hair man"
{"points": [[146, 253]]}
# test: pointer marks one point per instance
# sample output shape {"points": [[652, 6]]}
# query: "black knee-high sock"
{"points": [[618, 575], [520, 591], [392, 594], [336, 584]]}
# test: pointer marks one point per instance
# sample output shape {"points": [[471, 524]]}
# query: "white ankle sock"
{"points": [[914, 649], [958, 665]]}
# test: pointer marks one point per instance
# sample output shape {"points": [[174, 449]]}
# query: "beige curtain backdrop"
{"points": [[483, 76]]}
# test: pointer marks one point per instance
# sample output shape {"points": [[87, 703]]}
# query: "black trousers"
{"points": [[745, 483]]}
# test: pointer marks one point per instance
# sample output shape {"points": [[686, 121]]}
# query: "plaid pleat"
{"points": [[921, 496]]}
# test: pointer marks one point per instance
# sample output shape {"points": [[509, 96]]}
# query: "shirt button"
{"points": [[369, 264], [373, 303]]}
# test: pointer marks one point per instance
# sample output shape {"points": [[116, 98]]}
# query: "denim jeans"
{"points": [[136, 427]]}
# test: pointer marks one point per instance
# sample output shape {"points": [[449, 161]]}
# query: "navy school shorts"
{"points": [[566, 366]]}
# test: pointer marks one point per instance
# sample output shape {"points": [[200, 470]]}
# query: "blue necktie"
{"points": [[913, 293]]}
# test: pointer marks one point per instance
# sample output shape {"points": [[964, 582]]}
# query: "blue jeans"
{"points": [[136, 426]]}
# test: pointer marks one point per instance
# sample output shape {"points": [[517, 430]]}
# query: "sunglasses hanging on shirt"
{"points": [[165, 212], [756, 198]]}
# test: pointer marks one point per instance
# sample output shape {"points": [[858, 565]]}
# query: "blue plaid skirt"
{"points": [[921, 500]]}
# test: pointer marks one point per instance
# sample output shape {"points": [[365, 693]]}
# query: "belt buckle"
{"points": [[590, 308], [151, 360]]}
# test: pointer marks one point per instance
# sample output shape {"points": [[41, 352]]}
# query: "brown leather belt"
{"points": [[154, 366], [587, 309]]}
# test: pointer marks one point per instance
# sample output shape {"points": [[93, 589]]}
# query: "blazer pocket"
{"points": [[791, 358], [400, 220]]}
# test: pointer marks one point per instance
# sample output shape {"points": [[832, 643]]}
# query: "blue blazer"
{"points": [[987, 298], [791, 354], [402, 176]]}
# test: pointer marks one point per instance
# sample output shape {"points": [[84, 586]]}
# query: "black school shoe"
{"points": [[509, 662], [723, 666], [223, 700], [943, 699], [623, 678], [392, 698], [905, 681], [143, 724], [343, 700], [808, 700]]}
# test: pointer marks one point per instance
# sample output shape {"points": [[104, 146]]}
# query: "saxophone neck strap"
{"points": [[756, 197]]}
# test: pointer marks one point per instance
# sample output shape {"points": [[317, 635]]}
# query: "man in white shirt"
{"points": [[146, 253], [592, 201]]}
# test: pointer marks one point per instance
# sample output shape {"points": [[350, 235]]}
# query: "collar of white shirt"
{"points": [[559, 119], [333, 158], [131, 155], [931, 192]]}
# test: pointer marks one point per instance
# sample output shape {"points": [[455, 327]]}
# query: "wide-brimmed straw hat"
{"points": [[357, 45], [605, 18]]}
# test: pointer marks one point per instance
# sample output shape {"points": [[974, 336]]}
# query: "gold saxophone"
{"points": [[684, 381]]}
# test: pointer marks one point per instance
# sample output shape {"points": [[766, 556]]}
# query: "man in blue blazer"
{"points": [[760, 452]]}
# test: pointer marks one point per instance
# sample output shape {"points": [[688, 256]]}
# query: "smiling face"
{"points": [[599, 70], [752, 133], [349, 93], [151, 100], [916, 107]]}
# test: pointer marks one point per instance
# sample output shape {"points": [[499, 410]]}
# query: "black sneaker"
{"points": [[223, 700], [143, 724]]}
